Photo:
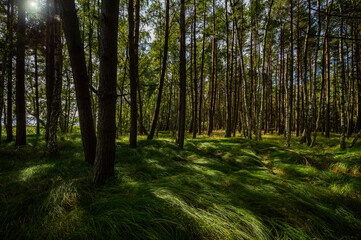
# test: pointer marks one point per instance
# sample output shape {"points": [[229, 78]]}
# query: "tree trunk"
{"points": [[20, 77], [195, 110], [242, 67], [10, 28], [290, 88], [262, 78], [105, 152], [202, 72], [58, 76], [358, 70], [81, 79], [37, 110], [162, 75], [306, 132], [211, 84], [133, 76], [342, 84], [228, 84], [50, 61], [2, 85], [182, 76], [327, 75]]}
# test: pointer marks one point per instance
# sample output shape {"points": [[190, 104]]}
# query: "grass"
{"points": [[215, 188]]}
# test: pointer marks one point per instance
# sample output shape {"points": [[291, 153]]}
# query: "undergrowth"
{"points": [[215, 188]]}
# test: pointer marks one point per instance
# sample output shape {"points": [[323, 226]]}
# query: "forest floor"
{"points": [[216, 188]]}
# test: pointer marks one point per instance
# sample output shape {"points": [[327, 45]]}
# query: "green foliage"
{"points": [[213, 189]]}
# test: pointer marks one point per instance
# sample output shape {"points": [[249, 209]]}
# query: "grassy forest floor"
{"points": [[215, 188]]}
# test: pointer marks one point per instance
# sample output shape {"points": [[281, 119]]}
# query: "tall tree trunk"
{"points": [[211, 84], [350, 128], [313, 84], [133, 76], [2, 85], [50, 64], [306, 132], [327, 74], [37, 108], [162, 75], [358, 70], [182, 76], [202, 71], [290, 88], [10, 28], [58, 76], [228, 84], [195, 110], [342, 83], [242, 67], [262, 78], [81, 78], [317, 120], [20, 77], [298, 70], [105, 152]]}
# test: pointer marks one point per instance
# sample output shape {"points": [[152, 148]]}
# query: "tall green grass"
{"points": [[215, 188]]}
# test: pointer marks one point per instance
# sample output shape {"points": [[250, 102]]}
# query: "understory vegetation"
{"points": [[215, 188]]}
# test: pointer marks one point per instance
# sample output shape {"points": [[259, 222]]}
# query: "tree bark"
{"points": [[211, 84], [182, 77], [263, 77], [20, 77], [58, 81], [2, 86], [228, 84], [10, 28], [290, 88], [37, 108], [195, 110], [105, 151], [242, 67], [133, 76], [162, 75], [81, 78], [306, 132], [327, 75], [342, 84]]}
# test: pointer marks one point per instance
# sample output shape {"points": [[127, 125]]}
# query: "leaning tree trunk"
{"points": [[20, 78], [162, 75], [182, 77], [81, 79], [105, 152]]}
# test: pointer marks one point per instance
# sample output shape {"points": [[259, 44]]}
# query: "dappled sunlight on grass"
{"points": [[27, 173], [215, 188]]}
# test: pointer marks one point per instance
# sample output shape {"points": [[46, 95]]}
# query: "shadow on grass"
{"points": [[213, 189]]}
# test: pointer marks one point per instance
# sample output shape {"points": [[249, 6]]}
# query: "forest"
{"points": [[175, 119]]}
